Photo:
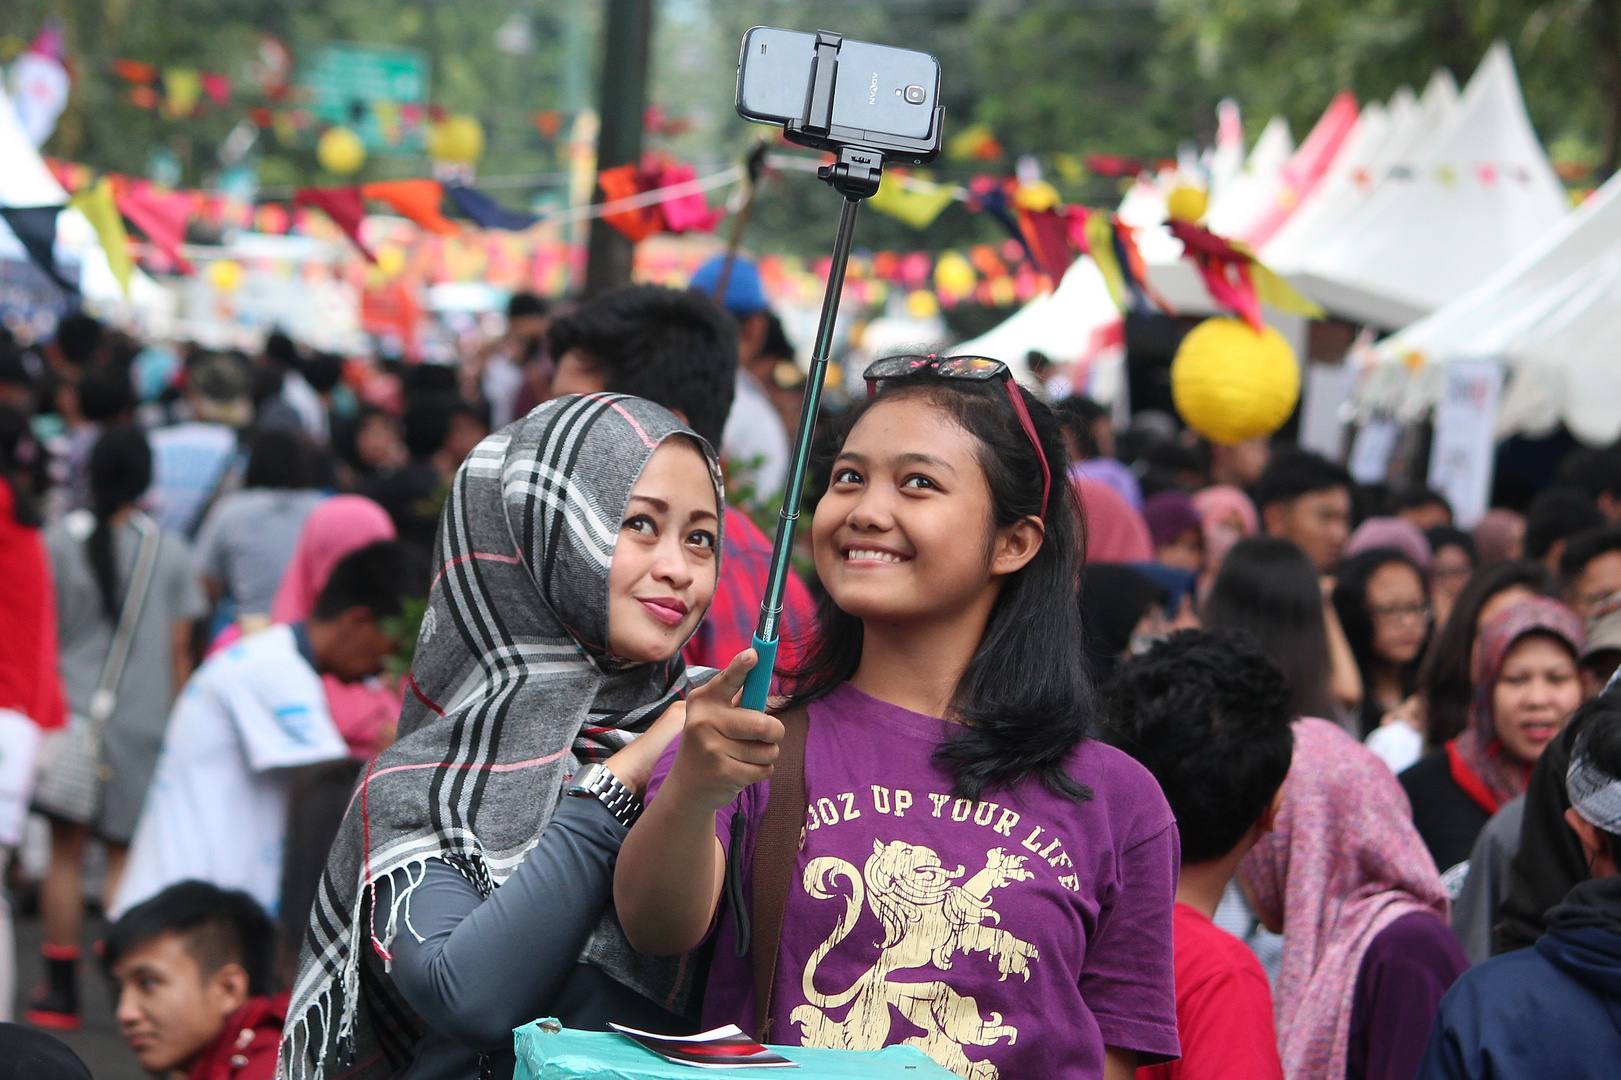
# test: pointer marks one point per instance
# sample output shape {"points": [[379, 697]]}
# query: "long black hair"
{"points": [[1268, 588], [1351, 604], [120, 472], [1447, 675], [1025, 700]]}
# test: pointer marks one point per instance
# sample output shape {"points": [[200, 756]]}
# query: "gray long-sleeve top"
{"points": [[485, 966]]}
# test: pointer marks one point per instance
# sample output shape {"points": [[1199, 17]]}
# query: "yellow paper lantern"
{"points": [[954, 277], [340, 151], [1187, 204], [225, 275], [1231, 384], [458, 139], [921, 304]]}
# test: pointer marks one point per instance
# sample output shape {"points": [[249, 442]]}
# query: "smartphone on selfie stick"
{"points": [[866, 104]]}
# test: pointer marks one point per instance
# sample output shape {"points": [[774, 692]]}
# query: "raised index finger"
{"points": [[726, 686]]}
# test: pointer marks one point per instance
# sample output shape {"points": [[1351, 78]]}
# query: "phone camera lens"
{"points": [[915, 95]]}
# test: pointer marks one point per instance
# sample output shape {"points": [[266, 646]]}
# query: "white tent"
{"points": [[25, 181], [1553, 315], [1072, 323], [1254, 191], [1469, 194]]}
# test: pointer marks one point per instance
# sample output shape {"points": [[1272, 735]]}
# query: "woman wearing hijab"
{"points": [[1526, 687], [338, 526], [1226, 515], [1115, 533], [1176, 531], [1367, 953], [464, 894]]}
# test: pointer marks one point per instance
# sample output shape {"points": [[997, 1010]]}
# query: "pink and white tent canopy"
{"points": [[1469, 192]]}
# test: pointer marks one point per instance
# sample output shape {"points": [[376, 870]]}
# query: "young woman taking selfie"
{"points": [[972, 859]]}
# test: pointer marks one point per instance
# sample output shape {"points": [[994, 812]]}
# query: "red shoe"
{"points": [[60, 1021]]}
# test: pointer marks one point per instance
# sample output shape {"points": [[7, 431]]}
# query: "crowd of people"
{"points": [[399, 707]]}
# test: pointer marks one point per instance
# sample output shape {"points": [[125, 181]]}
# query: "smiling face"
{"points": [[168, 1010], [1536, 691], [665, 561], [905, 531]]}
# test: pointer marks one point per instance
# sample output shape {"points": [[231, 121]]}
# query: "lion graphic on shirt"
{"points": [[927, 919]]}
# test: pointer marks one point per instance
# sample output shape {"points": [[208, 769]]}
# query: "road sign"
{"points": [[377, 92]]}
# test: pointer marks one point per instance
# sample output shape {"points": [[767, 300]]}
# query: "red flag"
{"points": [[343, 205], [218, 89], [623, 182], [417, 200], [160, 215], [1046, 233]]}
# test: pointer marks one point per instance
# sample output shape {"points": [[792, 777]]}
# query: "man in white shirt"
{"points": [[217, 807]]}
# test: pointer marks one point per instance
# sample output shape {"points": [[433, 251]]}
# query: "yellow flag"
{"points": [[916, 202], [96, 204], [181, 89], [1273, 291], [1100, 242]]}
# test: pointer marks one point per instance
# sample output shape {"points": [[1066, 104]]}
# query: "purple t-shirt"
{"points": [[1015, 937]]}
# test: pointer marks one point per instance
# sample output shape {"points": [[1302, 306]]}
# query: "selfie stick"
{"points": [[855, 175]]}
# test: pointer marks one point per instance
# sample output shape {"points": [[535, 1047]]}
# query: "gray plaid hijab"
{"points": [[510, 691]]}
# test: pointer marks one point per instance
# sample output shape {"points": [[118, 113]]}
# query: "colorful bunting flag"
{"points": [[97, 204], [344, 205], [689, 212], [916, 202], [417, 200], [623, 182], [35, 228], [160, 215], [485, 212], [218, 88], [182, 86]]}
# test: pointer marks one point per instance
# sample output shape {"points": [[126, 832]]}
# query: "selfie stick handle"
{"points": [[758, 684]]}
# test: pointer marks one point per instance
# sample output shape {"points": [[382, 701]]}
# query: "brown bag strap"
{"points": [[776, 849]]}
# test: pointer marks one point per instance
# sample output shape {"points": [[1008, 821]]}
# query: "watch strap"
{"points": [[598, 782]]}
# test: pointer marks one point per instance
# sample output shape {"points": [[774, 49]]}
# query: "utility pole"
{"points": [[627, 34]]}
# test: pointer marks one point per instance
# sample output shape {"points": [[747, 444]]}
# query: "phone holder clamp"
{"points": [[856, 174]]}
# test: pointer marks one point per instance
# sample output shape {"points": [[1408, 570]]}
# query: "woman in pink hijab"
{"points": [[342, 524], [1367, 952], [1115, 533], [1226, 515]]}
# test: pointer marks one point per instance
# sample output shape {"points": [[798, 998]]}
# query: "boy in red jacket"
{"points": [[193, 967]]}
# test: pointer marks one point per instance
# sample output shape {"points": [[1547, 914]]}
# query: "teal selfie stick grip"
{"points": [[758, 684]]}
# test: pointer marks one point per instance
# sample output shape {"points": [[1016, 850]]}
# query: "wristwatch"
{"points": [[598, 782]]}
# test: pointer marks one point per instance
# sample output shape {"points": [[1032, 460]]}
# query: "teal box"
{"points": [[608, 1055]]}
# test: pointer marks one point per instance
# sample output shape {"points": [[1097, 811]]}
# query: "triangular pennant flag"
{"points": [[344, 205], [689, 212], [916, 202], [161, 216], [417, 200], [624, 182], [181, 88], [485, 212], [218, 88], [35, 227], [97, 205], [1046, 234]]}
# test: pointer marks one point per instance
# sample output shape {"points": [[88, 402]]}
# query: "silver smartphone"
{"points": [[880, 90]]}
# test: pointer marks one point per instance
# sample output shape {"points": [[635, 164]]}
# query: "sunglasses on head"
{"points": [[977, 369]]}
